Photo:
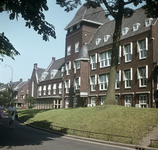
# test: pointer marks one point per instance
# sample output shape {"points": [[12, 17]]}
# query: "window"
{"points": [[22, 96], [78, 63], [62, 71], [71, 29], [119, 57], [77, 47], [67, 85], [78, 26], [127, 75], [54, 89], [142, 48], [142, 73], [93, 61], [22, 90], [93, 101], [128, 52], [60, 88], [102, 99], [44, 74], [125, 30], [53, 73], [40, 90], [148, 22], [128, 99], [74, 102], [93, 82], [57, 104], [44, 90], [97, 41], [136, 26], [67, 103], [118, 80], [143, 101], [106, 37], [68, 50], [77, 83], [117, 99], [103, 81], [68, 68], [49, 89], [105, 59]]}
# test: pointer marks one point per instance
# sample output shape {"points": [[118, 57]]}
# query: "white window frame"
{"points": [[44, 90], [49, 89], [68, 68], [127, 77], [60, 88], [93, 61], [128, 100], [117, 99], [67, 103], [40, 90], [57, 103], [118, 80], [69, 50], [53, 73], [77, 47], [119, 57], [125, 30], [128, 52], [93, 101], [106, 38], [102, 100], [105, 59], [77, 82], [136, 26], [78, 25], [97, 41], [143, 102], [78, 64], [148, 22], [103, 85], [54, 88], [93, 82], [67, 86], [74, 102]]}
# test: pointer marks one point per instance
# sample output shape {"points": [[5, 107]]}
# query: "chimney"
{"points": [[35, 66], [53, 58], [21, 80]]}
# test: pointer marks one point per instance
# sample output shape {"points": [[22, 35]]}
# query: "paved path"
{"points": [[25, 138]]}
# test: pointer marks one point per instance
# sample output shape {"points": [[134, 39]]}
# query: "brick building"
{"points": [[88, 58]]}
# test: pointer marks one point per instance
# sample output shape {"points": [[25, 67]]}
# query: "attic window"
{"points": [[78, 26], [97, 41], [148, 22], [106, 37], [71, 29], [125, 30], [136, 26], [53, 73]]}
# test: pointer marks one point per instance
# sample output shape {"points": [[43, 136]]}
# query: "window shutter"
{"points": [[138, 46], [70, 65], [90, 80], [131, 44], [120, 51], [98, 80], [146, 41], [131, 74], [95, 79], [90, 59], [96, 57], [123, 75], [123, 50], [79, 80], [74, 66], [119, 75], [146, 71]]}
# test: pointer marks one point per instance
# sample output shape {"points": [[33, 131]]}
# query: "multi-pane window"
{"points": [[97, 41], [128, 52], [74, 102], [57, 104], [142, 73], [143, 101], [62, 71], [105, 59], [148, 22], [68, 68], [125, 30], [77, 83], [53, 73], [103, 81], [67, 85], [67, 103], [106, 37], [93, 101], [77, 47], [49, 89], [68, 50], [93, 82], [102, 99], [128, 100], [44, 90], [118, 80], [54, 89], [142, 48], [60, 88], [93, 61], [136, 26], [127, 75], [40, 90], [117, 99], [22, 96], [78, 64]]}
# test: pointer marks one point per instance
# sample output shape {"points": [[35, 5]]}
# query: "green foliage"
{"points": [[31, 101]]}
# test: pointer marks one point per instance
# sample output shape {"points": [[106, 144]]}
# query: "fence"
{"points": [[154, 143]]}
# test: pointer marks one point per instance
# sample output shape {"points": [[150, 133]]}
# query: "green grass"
{"points": [[118, 120]]}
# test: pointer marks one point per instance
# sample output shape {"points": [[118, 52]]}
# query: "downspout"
{"points": [[88, 82]]}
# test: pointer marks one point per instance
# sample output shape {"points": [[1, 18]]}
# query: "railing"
{"points": [[154, 143], [88, 134]]}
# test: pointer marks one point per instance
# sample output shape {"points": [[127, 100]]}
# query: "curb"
{"points": [[138, 147]]}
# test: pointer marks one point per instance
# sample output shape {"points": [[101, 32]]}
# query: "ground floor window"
{"points": [[128, 99], [57, 104], [74, 102], [67, 103], [102, 99], [117, 99], [93, 101], [143, 101]]}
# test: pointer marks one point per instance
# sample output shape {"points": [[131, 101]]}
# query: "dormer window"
{"points": [[136, 26], [71, 29], [78, 26], [44, 74], [148, 22], [53, 73], [106, 37], [97, 41], [125, 30]]}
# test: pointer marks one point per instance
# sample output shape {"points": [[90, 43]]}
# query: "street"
{"points": [[26, 138]]}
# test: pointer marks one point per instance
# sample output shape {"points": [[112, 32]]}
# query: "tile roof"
{"points": [[108, 29], [83, 54], [20, 85]]}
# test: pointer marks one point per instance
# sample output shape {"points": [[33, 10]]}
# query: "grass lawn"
{"points": [[118, 120]]}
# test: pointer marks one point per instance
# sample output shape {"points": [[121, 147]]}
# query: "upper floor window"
{"points": [[40, 90], [22, 96], [77, 83], [106, 37], [93, 101], [53, 73], [128, 99], [60, 88], [93, 82], [54, 89], [77, 47], [125, 30], [97, 41], [128, 52], [148, 22], [44, 74], [49, 89], [22, 90], [103, 81], [127, 77], [62, 71], [119, 57], [136, 26], [71, 29], [78, 26], [142, 74], [93, 61], [105, 59], [118, 80], [68, 50], [78, 64], [44, 90], [68, 68], [67, 85], [142, 47]]}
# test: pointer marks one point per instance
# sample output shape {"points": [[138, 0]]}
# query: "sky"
{"points": [[30, 44]]}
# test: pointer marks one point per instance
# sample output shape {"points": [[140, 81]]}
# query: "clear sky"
{"points": [[30, 44]]}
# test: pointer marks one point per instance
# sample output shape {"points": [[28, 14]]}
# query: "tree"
{"points": [[32, 12], [31, 101], [118, 9]]}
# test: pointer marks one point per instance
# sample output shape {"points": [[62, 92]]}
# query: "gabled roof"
{"points": [[94, 15], [108, 29], [20, 85]]}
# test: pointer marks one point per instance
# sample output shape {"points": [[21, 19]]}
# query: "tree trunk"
{"points": [[110, 96]]}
